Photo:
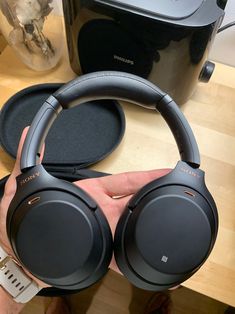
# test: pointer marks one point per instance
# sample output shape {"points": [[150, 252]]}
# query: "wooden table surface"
{"points": [[148, 144]]}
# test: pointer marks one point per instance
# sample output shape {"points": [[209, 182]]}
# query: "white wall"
{"points": [[223, 49]]}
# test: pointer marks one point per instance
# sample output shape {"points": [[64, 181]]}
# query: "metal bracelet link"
{"points": [[4, 262]]}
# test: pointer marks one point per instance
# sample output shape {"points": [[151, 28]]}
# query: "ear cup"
{"points": [[61, 235], [165, 237]]}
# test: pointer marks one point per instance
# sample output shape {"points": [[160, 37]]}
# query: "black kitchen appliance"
{"points": [[165, 41]]}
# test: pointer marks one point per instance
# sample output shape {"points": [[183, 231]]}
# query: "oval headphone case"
{"points": [[80, 137]]}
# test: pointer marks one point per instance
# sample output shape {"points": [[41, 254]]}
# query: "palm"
{"points": [[111, 193]]}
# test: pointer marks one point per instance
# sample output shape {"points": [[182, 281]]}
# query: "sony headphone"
{"points": [[60, 234]]}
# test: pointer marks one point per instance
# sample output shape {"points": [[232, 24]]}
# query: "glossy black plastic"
{"points": [[166, 42]]}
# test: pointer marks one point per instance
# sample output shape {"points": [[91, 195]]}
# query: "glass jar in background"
{"points": [[34, 29]]}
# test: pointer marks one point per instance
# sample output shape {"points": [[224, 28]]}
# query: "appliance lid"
{"points": [[175, 9], [180, 12]]}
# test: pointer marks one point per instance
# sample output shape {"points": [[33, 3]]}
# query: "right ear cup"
{"points": [[165, 234], [58, 232]]}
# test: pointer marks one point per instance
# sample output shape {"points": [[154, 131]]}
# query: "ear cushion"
{"points": [[59, 233], [165, 237]]}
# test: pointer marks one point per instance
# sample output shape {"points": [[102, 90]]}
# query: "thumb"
{"points": [[16, 170], [10, 186]]}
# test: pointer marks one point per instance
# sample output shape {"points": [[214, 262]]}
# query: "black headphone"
{"points": [[62, 237]]}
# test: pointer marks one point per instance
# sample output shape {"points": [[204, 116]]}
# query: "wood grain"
{"points": [[149, 144], [115, 295]]}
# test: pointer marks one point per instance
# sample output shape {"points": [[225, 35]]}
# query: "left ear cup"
{"points": [[59, 233], [164, 236]]}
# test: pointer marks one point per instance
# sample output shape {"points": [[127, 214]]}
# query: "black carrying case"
{"points": [[78, 138]]}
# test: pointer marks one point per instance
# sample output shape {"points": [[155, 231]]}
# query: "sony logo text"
{"points": [[30, 178], [190, 172]]}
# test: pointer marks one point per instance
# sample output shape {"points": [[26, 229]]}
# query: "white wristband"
{"points": [[14, 280]]}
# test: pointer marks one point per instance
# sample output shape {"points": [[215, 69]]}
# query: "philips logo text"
{"points": [[128, 61]]}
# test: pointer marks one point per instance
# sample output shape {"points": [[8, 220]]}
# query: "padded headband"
{"points": [[109, 85]]}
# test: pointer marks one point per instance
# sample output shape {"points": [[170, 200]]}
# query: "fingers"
{"points": [[9, 192], [10, 186], [129, 182], [16, 170]]}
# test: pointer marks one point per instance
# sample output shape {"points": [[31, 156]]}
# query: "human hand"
{"points": [[111, 193], [7, 304]]}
